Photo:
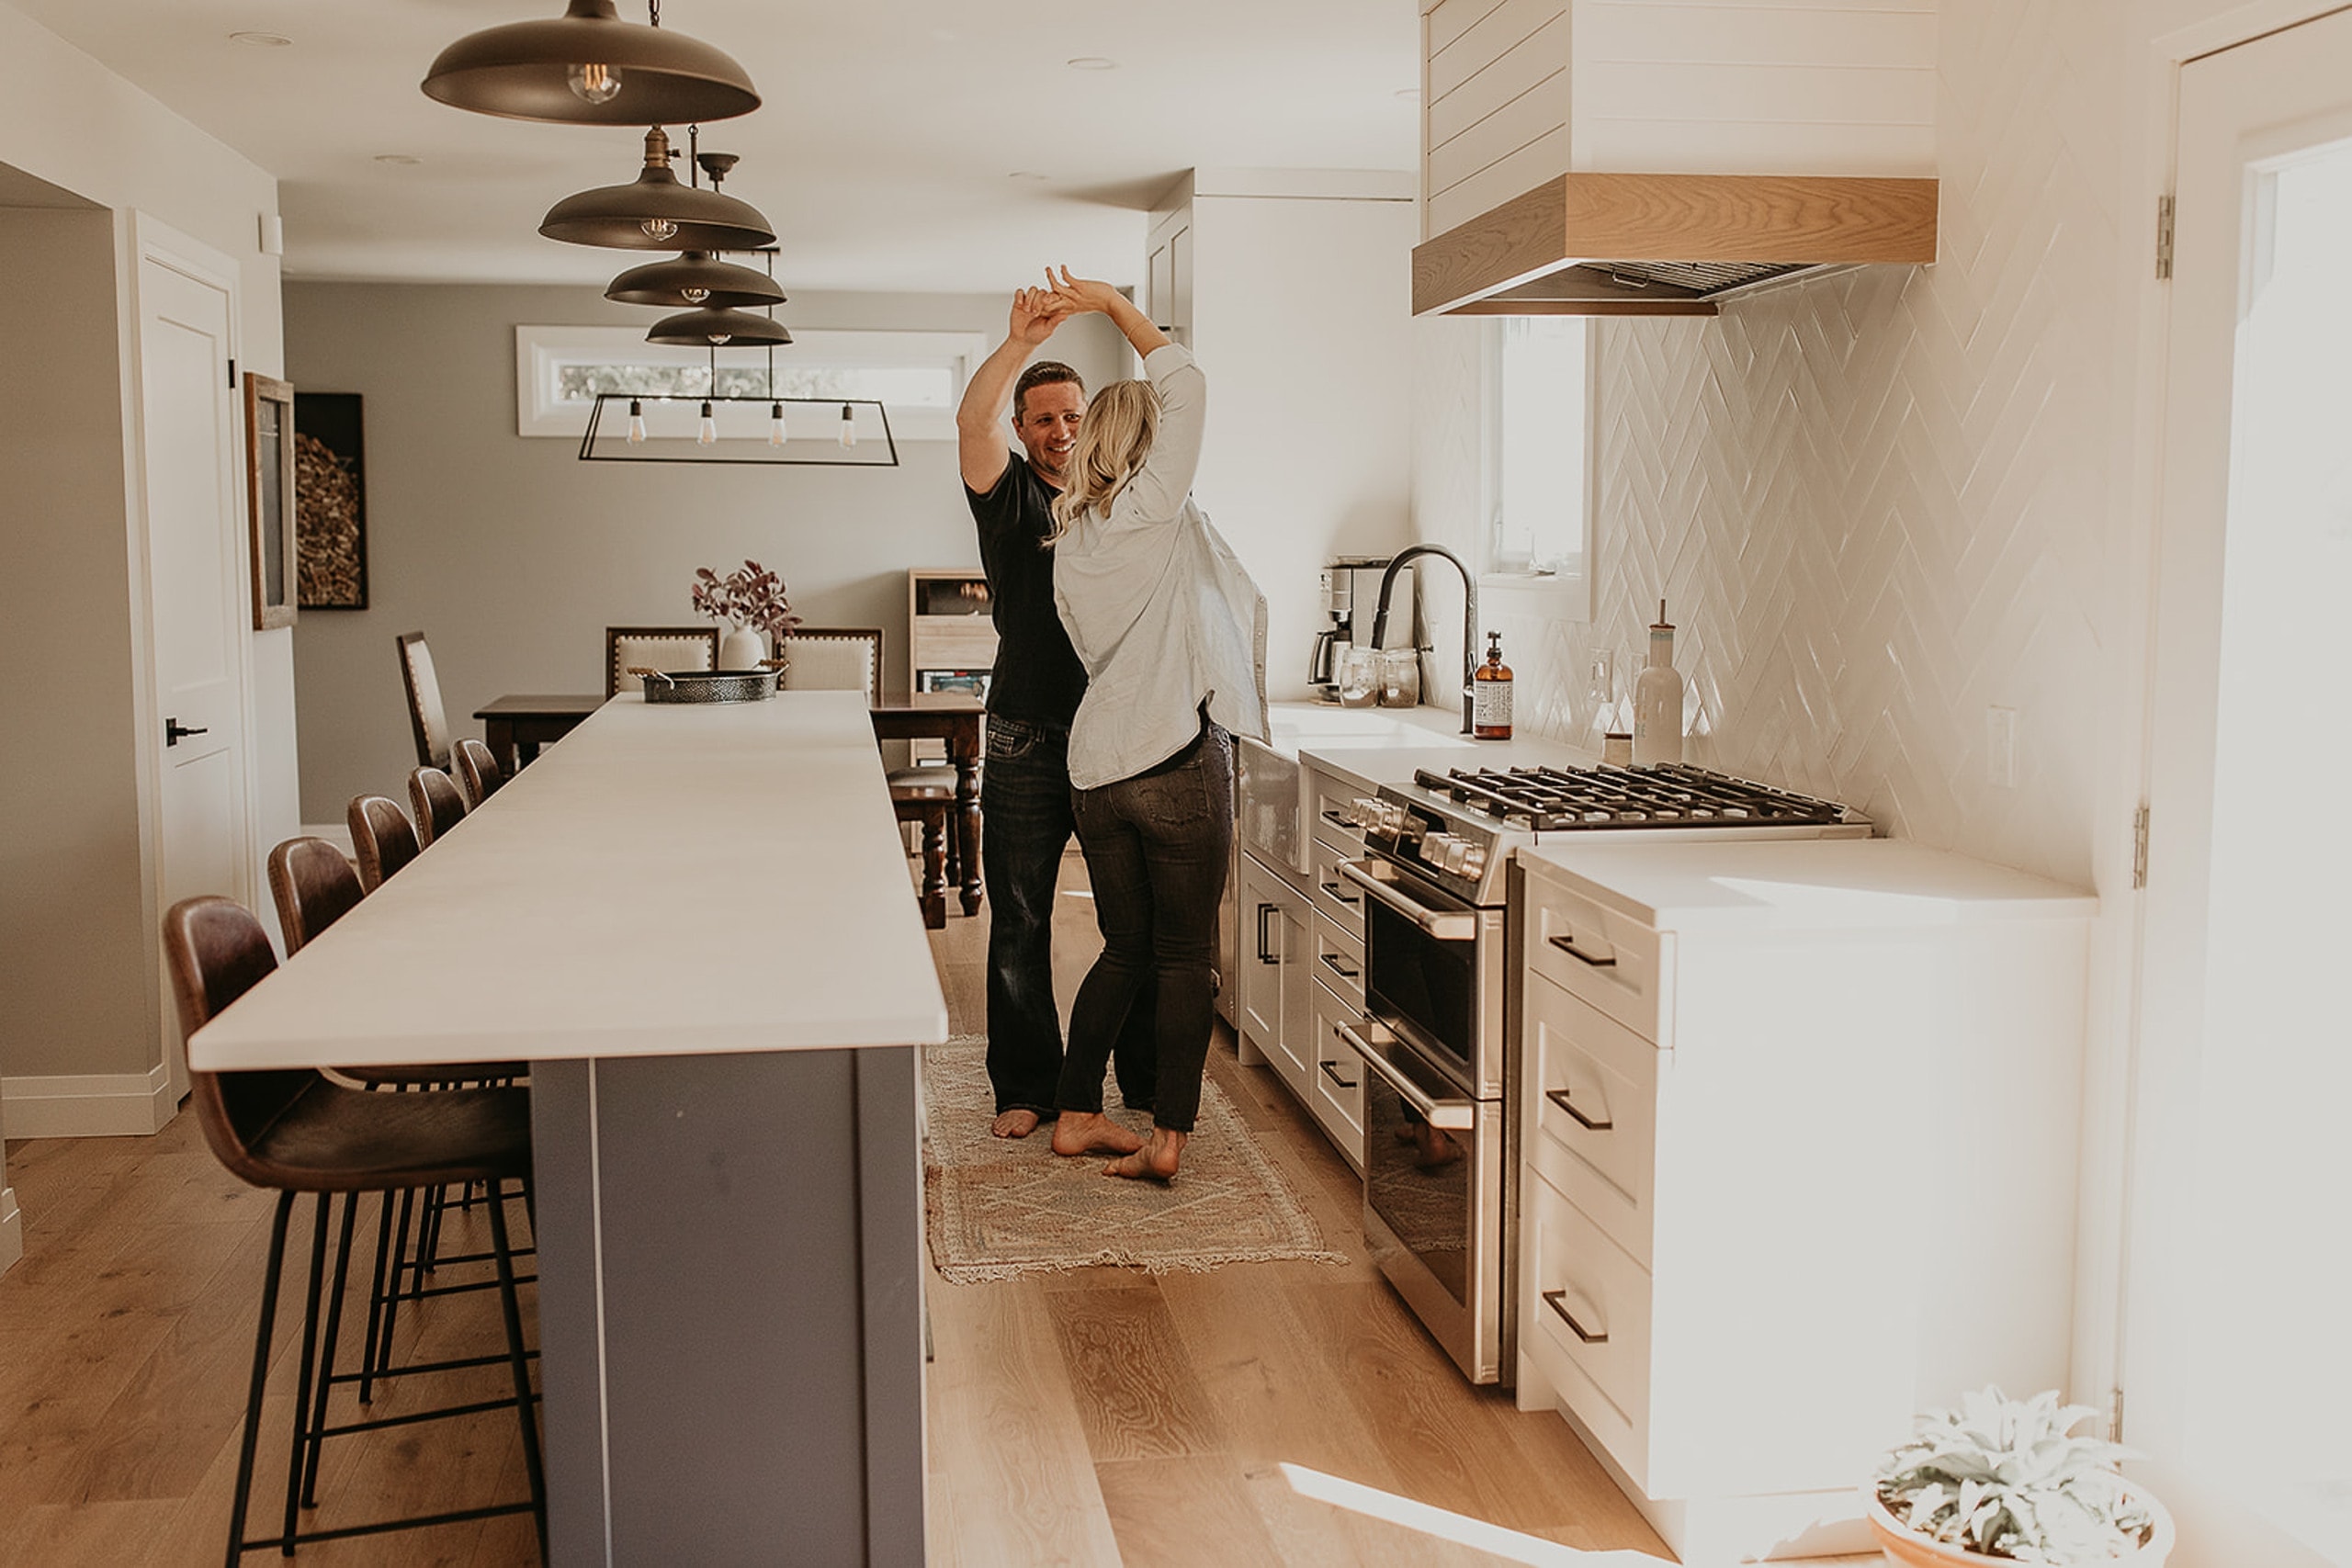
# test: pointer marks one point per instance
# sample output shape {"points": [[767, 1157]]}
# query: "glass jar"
{"points": [[1400, 678], [1358, 680]]}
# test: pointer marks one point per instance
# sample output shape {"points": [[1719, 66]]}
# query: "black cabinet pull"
{"points": [[1263, 939], [1559, 1096], [1580, 955], [1331, 961], [1331, 1071], [1554, 1299], [1349, 898]]}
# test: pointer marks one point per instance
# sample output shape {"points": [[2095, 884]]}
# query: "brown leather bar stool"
{"points": [[314, 887], [295, 1131], [478, 772], [432, 796], [382, 838]]}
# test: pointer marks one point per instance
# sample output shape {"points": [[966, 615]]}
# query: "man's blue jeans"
{"points": [[1026, 822]]}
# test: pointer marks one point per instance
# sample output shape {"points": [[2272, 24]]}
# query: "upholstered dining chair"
{"points": [[382, 838], [434, 796], [428, 721], [295, 1131], [655, 648], [477, 774]]}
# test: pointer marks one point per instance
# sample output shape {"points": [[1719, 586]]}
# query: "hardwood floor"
{"points": [[1096, 1418]]}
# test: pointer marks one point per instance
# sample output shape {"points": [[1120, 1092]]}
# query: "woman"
{"points": [[1173, 633]]}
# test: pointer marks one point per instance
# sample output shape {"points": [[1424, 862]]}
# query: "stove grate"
{"points": [[1672, 794]]}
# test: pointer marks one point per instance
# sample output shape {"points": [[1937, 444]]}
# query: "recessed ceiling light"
{"points": [[261, 40], [1091, 63], [1410, 95], [1023, 175], [399, 160]]}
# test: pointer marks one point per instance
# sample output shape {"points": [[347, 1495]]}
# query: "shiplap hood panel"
{"points": [[1651, 157]]}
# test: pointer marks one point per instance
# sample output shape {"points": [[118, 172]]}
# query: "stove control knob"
{"points": [[1474, 861], [1363, 813]]}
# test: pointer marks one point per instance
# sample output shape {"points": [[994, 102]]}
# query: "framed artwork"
{"points": [[270, 504], [330, 502]]}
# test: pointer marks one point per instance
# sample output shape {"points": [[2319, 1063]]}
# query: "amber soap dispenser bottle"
{"points": [[1491, 695]]}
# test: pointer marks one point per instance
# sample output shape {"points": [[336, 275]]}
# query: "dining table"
{"points": [[516, 727], [721, 1004]]}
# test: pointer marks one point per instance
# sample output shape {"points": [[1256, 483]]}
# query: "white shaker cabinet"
{"points": [[1798, 1128]]}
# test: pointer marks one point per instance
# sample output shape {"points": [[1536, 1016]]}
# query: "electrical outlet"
{"points": [[2001, 747]]}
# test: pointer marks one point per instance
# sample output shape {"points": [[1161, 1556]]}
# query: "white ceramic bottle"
{"points": [[1657, 700]]}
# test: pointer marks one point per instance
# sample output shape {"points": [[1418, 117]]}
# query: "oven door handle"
{"points": [[1446, 1115], [1446, 925]]}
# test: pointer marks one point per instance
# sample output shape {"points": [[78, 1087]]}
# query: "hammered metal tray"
{"points": [[707, 685]]}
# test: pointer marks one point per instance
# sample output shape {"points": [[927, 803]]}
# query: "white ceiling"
{"points": [[895, 149]]}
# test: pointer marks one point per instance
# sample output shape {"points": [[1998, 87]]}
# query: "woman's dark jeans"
{"points": [[1025, 823], [1157, 849]]}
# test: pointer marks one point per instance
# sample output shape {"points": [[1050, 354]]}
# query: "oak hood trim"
{"points": [[1593, 244]]}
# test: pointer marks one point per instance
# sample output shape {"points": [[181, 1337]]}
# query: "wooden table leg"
{"points": [[935, 871], [966, 750], [498, 734]]}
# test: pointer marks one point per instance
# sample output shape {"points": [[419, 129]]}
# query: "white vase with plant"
{"points": [[751, 604], [2004, 1481]]}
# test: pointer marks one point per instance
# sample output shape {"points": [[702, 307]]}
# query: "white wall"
{"points": [[512, 556], [66, 121]]}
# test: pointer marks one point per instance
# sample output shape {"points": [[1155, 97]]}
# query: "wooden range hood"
{"points": [[1596, 244]]}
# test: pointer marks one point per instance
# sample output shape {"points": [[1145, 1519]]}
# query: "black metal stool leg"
{"points": [[260, 1378], [326, 1351], [393, 1289], [375, 1298], [520, 1364], [303, 1385]]}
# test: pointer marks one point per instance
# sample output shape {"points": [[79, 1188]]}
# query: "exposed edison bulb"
{"points": [[593, 84], [658, 228], [707, 434], [694, 296], [849, 425], [775, 424], [635, 423], [719, 340]]}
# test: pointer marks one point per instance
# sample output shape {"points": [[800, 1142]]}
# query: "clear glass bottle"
{"points": [[1491, 695], [1657, 700]]}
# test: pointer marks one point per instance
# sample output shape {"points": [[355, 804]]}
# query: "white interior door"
{"points": [[2237, 1364], [197, 582]]}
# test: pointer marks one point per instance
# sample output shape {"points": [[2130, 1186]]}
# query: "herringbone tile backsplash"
{"points": [[1875, 503]]}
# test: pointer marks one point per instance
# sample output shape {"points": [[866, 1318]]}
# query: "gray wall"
{"points": [[74, 899], [512, 556]]}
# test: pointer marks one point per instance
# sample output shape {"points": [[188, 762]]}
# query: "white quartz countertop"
{"points": [[1800, 883], [669, 880], [1370, 747]]}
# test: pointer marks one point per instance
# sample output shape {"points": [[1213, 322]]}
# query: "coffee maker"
{"points": [[1338, 588]]}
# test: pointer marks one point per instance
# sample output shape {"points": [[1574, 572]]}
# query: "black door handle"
{"points": [[174, 732]]}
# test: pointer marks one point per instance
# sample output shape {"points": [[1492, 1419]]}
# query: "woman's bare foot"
{"points": [[1015, 1123], [1091, 1133], [1154, 1161]]}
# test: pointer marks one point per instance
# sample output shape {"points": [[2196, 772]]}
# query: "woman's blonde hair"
{"points": [[1113, 439]]}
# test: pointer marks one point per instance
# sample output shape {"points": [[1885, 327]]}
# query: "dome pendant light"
{"points": [[709, 328], [588, 67], [655, 213], [695, 278]]}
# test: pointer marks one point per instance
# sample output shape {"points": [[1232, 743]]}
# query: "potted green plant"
{"points": [[2004, 1481]]}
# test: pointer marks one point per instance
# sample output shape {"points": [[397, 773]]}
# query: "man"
{"points": [[1032, 694]]}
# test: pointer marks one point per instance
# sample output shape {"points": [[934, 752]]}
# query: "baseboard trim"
{"points": [[87, 1105], [12, 1229]]}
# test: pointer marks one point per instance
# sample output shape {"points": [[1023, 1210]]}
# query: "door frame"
{"points": [[140, 239], [2162, 39]]}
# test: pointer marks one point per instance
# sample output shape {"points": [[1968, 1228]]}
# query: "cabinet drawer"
{"points": [[1585, 1320], [1336, 1092], [1615, 962], [1339, 961], [1592, 1103], [1330, 811], [1334, 895]]}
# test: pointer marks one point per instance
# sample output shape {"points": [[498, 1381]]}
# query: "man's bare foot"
{"points": [[1155, 1161], [1091, 1133], [1015, 1123]]}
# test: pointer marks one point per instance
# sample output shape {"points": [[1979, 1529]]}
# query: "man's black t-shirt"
{"points": [[1037, 674]]}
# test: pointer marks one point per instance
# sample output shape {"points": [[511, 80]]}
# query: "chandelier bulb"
{"points": [[593, 84], [707, 435], [775, 424], [720, 340], [694, 296], [849, 426], [635, 423]]}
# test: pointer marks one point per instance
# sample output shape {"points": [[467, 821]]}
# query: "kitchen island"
{"points": [[696, 923]]}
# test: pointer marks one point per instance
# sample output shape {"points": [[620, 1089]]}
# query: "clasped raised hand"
{"points": [[1036, 313], [1082, 293]]}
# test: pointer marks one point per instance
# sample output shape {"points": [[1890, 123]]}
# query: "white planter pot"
{"points": [[742, 649], [1906, 1550]]}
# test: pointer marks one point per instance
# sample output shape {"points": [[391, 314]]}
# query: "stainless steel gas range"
{"points": [[1442, 956]]}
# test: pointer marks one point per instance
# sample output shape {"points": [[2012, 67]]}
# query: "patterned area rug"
{"points": [[999, 1208]]}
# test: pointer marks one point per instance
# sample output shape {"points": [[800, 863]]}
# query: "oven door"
{"points": [[1434, 971], [1434, 1197]]}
